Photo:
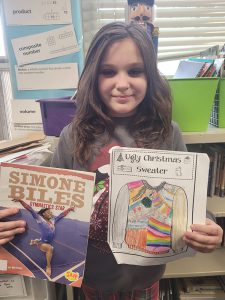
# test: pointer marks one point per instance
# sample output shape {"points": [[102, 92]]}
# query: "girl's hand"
{"points": [[204, 238], [8, 229]]}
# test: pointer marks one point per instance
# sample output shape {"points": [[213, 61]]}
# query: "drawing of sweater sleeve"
{"points": [[120, 217], [180, 219]]}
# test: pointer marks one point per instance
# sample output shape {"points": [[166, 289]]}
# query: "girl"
{"points": [[121, 100]]}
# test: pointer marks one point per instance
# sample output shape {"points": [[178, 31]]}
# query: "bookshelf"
{"points": [[202, 264], [212, 135], [217, 206]]}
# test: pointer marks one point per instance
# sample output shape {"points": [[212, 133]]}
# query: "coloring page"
{"points": [[155, 195]]}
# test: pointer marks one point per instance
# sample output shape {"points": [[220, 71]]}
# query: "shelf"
{"points": [[202, 264], [216, 205], [213, 135]]}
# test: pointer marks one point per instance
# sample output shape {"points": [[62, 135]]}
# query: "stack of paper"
{"points": [[32, 149]]}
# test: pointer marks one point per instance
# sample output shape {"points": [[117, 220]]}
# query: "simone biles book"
{"points": [[56, 205]]}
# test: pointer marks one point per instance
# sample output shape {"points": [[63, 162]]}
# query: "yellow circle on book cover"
{"points": [[72, 276]]}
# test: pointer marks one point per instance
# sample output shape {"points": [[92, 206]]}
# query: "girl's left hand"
{"points": [[204, 238]]}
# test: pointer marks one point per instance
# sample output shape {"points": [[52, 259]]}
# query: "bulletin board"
{"points": [[45, 47]]}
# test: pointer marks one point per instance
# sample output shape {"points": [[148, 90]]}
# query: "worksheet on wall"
{"points": [[47, 76], [38, 33], [23, 12], [46, 45]]}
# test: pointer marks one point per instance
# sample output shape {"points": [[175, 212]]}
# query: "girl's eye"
{"points": [[107, 72], [136, 72]]}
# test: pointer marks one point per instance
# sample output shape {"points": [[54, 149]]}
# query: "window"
{"points": [[5, 89], [2, 48], [186, 27]]}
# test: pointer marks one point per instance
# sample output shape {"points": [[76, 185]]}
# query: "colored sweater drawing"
{"points": [[150, 219]]}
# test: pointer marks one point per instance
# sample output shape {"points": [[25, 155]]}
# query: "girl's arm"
{"points": [[8, 229]]}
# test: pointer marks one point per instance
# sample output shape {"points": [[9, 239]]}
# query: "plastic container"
{"points": [[221, 118], [56, 114], [192, 102]]}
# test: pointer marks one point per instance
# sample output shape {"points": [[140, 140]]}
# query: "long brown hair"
{"points": [[152, 122]]}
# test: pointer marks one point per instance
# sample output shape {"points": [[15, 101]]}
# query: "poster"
{"points": [[63, 33]]}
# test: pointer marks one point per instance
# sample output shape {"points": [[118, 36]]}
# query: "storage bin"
{"points": [[221, 119], [56, 114], [218, 111], [192, 102]]}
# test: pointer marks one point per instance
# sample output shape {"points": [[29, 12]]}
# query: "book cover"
{"points": [[56, 205], [205, 69], [155, 196], [188, 69]]}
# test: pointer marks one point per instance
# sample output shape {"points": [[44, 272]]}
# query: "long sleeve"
{"points": [[25, 205], [179, 220], [178, 142], [120, 217], [63, 154], [62, 215]]}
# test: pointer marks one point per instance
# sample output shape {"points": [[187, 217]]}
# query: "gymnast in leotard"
{"points": [[46, 222]]}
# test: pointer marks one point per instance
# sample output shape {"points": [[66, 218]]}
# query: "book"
{"points": [[212, 152], [222, 176], [219, 64], [200, 288], [205, 69], [56, 205], [188, 69], [154, 197]]}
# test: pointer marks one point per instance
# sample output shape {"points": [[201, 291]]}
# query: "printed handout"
{"points": [[23, 12], [26, 111], [47, 76], [46, 45]]}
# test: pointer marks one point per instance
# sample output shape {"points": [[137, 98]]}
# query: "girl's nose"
{"points": [[122, 82], [141, 9]]}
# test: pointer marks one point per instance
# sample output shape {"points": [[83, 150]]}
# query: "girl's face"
{"points": [[122, 81]]}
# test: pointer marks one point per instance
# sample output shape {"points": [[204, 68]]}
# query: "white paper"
{"points": [[47, 76], [14, 156], [12, 286], [155, 195], [19, 130], [46, 45], [26, 111], [37, 12], [3, 264]]}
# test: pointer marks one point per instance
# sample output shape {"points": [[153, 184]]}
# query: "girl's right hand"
{"points": [[8, 229]]}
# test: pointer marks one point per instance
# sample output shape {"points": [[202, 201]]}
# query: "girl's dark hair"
{"points": [[147, 2], [152, 122], [42, 211]]}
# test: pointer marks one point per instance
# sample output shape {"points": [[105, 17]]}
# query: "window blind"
{"points": [[186, 27], [5, 102]]}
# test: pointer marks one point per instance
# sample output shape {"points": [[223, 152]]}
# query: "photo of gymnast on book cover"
{"points": [[56, 205], [155, 195]]}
